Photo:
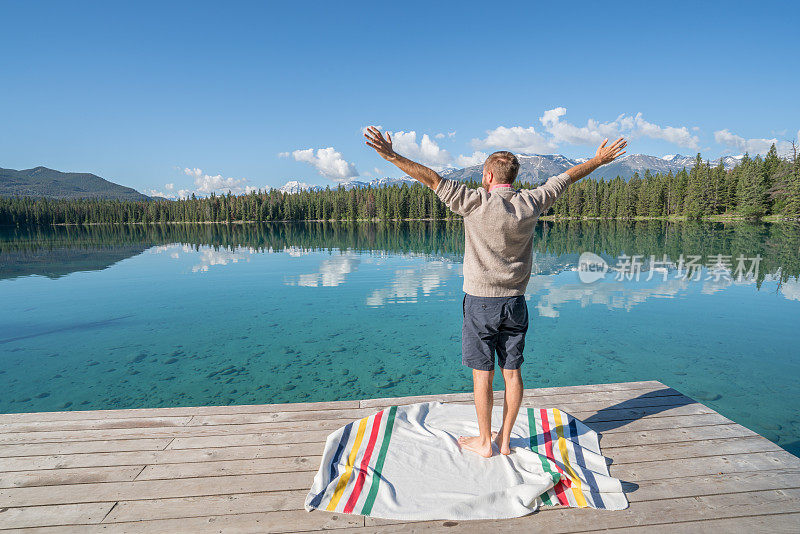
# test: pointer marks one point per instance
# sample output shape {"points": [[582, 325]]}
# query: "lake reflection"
{"points": [[106, 317]]}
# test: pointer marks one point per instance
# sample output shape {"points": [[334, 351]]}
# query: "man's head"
{"points": [[500, 168]]}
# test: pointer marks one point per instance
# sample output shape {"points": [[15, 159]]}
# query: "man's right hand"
{"points": [[604, 155], [608, 154]]}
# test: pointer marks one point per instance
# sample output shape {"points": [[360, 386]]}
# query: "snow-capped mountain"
{"points": [[295, 186], [378, 182], [688, 161], [537, 168]]}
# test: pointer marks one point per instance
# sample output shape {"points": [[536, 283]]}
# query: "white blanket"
{"points": [[405, 463]]}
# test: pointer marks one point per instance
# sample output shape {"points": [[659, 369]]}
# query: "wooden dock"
{"points": [[684, 467]]}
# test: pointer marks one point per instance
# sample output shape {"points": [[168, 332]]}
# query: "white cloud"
{"points": [[426, 151], [332, 272], [791, 289], [210, 257], [624, 125], [159, 194], [364, 128], [205, 184], [678, 136], [169, 187], [328, 162], [517, 139], [409, 282], [477, 158], [441, 135], [751, 146]]}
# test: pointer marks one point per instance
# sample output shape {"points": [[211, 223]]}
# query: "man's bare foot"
{"points": [[504, 448], [474, 444]]}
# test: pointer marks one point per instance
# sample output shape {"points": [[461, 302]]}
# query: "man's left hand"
{"points": [[382, 146]]}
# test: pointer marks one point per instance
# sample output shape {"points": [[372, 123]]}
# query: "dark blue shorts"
{"points": [[493, 324]]}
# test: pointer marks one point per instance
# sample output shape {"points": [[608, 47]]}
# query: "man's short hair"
{"points": [[503, 165]]}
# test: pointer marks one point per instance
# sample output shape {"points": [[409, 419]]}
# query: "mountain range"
{"points": [[42, 182], [537, 168], [534, 168]]}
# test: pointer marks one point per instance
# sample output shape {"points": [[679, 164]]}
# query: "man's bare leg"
{"points": [[511, 404], [482, 391]]}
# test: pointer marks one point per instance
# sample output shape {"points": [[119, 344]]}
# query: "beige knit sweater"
{"points": [[499, 232]]}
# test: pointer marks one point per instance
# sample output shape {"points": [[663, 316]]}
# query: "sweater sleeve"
{"points": [[545, 195], [458, 197]]}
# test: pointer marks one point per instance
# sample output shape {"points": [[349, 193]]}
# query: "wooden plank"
{"points": [[659, 452], [708, 465], [52, 477], [754, 443], [30, 424], [640, 421], [167, 456], [297, 406], [788, 523], [754, 461], [125, 433], [610, 440], [698, 485], [560, 520], [302, 480], [168, 508], [57, 514], [657, 421], [289, 500], [555, 390], [241, 503], [271, 417], [258, 522], [230, 467], [568, 520], [638, 471], [627, 439], [85, 447], [153, 489], [654, 452], [178, 411]]}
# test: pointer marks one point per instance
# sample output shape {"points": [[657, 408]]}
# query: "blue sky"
{"points": [[205, 96]]}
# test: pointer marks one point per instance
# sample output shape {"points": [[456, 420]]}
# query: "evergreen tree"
{"points": [[752, 189]]}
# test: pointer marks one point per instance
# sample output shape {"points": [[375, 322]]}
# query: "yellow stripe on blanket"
{"points": [[348, 470], [562, 446]]}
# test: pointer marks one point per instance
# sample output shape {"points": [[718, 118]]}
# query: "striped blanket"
{"points": [[405, 463]]}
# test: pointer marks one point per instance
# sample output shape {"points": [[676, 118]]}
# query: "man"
{"points": [[498, 226]]}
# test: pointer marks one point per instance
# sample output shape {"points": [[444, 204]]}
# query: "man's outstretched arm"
{"points": [[604, 155], [415, 170]]}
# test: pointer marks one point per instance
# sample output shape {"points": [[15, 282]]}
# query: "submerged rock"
{"points": [[706, 396]]}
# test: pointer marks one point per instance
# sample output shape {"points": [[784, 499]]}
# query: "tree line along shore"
{"points": [[757, 188]]}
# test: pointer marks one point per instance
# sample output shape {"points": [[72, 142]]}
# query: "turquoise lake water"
{"points": [[179, 316]]}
